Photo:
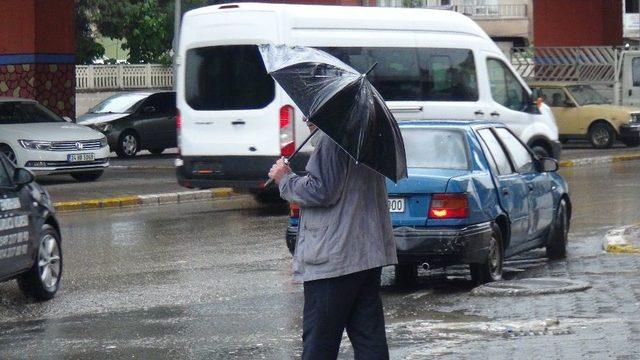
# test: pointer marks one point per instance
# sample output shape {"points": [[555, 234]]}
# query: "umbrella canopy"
{"points": [[342, 103]]}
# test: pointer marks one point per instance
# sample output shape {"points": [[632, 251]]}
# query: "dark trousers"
{"points": [[352, 302]]}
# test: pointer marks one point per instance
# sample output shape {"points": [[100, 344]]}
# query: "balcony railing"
{"points": [[123, 76], [502, 11]]}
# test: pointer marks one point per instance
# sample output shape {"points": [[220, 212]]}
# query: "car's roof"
{"points": [[450, 123], [15, 99]]}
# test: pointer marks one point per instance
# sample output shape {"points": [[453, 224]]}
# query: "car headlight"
{"points": [[102, 127], [104, 142], [35, 144]]}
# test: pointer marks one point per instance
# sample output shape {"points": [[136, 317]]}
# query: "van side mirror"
{"points": [[22, 177], [548, 164]]}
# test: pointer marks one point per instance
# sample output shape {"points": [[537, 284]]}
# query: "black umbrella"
{"points": [[342, 103]]}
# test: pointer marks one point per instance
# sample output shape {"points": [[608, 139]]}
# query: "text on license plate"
{"points": [[80, 157], [396, 205]]}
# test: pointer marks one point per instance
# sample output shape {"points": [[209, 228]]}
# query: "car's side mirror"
{"points": [[149, 109], [548, 164], [67, 119], [22, 177]]}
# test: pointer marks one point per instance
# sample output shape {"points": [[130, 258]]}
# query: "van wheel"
{"points": [[42, 281], [601, 135], [128, 145], [8, 152], [406, 274], [491, 269], [559, 233]]}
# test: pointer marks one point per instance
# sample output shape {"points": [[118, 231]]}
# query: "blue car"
{"points": [[475, 195]]}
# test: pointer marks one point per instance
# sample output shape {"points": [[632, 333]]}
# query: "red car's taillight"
{"points": [[287, 131], [449, 206], [294, 210]]}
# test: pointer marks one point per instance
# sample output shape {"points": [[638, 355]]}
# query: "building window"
{"points": [[631, 6]]}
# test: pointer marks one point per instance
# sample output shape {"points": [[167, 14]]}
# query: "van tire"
{"points": [[601, 135], [540, 151], [128, 145], [491, 269]]}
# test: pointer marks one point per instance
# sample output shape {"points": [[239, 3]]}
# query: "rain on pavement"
{"points": [[211, 280]]}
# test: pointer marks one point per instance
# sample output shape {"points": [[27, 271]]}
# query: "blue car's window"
{"points": [[435, 149], [522, 160], [495, 149]]}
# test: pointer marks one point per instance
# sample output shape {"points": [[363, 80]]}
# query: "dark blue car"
{"points": [[475, 195]]}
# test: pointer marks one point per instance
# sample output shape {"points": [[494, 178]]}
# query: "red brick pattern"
{"points": [[53, 85]]}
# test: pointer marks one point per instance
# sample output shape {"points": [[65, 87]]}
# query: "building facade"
{"points": [[37, 46]]}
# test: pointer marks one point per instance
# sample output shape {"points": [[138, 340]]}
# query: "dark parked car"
{"points": [[475, 195], [135, 121], [29, 234]]}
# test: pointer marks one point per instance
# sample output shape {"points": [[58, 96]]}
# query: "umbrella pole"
{"points": [[286, 160]]}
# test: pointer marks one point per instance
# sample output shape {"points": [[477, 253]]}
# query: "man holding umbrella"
{"points": [[345, 235]]}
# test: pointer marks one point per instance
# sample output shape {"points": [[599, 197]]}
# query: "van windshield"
{"points": [[415, 74], [435, 148], [231, 77]]}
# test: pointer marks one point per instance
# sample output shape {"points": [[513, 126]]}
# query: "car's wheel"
{"points": [[559, 233], [42, 281], [8, 152], [128, 145], [87, 175], [631, 142], [601, 135], [540, 151], [156, 151], [406, 274], [491, 269]]}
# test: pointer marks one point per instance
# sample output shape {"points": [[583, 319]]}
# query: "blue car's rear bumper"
{"points": [[443, 247]]}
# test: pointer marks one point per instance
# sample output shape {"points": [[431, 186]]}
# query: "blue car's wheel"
{"points": [[559, 233], [491, 269]]}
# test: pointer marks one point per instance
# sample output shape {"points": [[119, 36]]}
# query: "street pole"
{"points": [[177, 17]]}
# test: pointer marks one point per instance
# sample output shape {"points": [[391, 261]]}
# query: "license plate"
{"points": [[80, 157], [396, 205]]}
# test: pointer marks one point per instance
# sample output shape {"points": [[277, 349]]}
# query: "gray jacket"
{"points": [[345, 226]]}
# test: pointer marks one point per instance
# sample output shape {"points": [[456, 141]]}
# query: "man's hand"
{"points": [[278, 170]]}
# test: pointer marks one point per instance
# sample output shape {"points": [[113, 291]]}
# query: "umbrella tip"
{"points": [[371, 68]]}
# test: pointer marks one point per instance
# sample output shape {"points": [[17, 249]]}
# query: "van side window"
{"points": [[415, 74], [505, 87], [230, 77]]}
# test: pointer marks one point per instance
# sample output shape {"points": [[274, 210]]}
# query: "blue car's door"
{"points": [[539, 184], [512, 188]]}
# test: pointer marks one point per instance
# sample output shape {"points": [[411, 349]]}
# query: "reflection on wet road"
{"points": [[209, 280]]}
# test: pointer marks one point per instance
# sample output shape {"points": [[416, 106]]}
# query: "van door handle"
{"points": [[495, 113], [479, 113], [237, 122]]}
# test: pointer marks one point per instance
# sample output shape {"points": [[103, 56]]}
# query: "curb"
{"points": [[143, 200], [599, 160], [623, 240]]}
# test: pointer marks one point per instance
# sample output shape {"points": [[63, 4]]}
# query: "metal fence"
{"points": [[474, 11], [594, 64], [123, 76]]}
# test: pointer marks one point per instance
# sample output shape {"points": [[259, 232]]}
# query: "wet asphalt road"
{"points": [[211, 280]]}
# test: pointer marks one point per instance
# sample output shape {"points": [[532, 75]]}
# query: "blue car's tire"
{"points": [[559, 233], [491, 269]]}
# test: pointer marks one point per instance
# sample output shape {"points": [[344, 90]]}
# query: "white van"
{"points": [[432, 64]]}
